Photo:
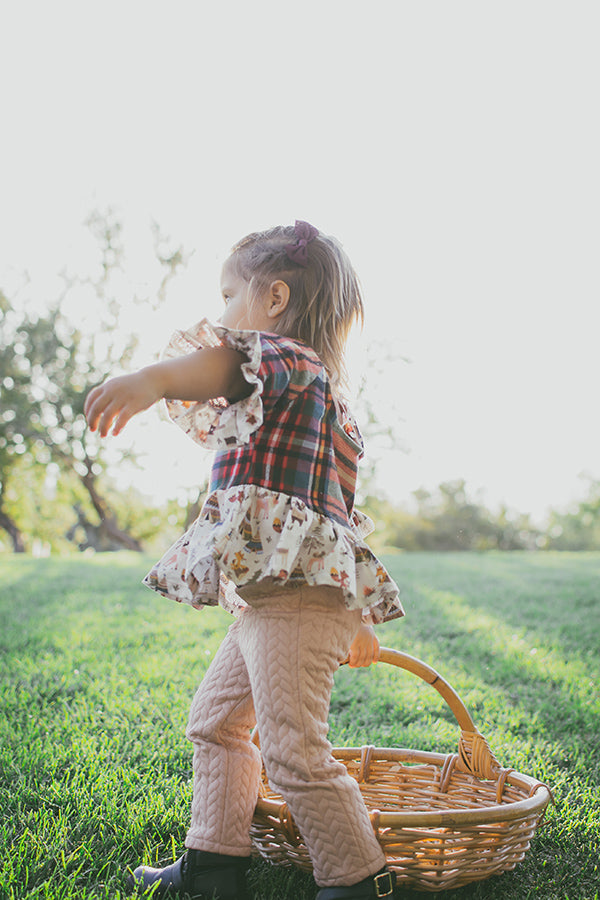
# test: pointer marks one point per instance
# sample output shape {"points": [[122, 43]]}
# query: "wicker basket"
{"points": [[443, 820]]}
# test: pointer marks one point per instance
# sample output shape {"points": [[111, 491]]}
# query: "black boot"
{"points": [[200, 875], [380, 885]]}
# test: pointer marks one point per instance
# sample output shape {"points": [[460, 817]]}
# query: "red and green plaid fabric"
{"points": [[301, 448]]}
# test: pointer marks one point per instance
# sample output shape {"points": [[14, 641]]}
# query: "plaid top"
{"points": [[283, 482], [301, 449]]}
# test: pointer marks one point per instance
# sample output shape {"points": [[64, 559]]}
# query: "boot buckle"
{"points": [[384, 886]]}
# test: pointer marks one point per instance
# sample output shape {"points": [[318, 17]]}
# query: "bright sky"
{"points": [[452, 147]]}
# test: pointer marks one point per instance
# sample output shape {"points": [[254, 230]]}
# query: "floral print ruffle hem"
{"points": [[247, 534]]}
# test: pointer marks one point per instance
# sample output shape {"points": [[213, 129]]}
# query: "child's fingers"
{"points": [[92, 412], [122, 419], [105, 420], [93, 406], [96, 410], [364, 655], [90, 405], [104, 407], [359, 658], [102, 414]]}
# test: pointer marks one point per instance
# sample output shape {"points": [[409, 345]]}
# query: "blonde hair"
{"points": [[325, 294]]}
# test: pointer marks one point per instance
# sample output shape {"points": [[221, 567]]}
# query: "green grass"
{"points": [[98, 672]]}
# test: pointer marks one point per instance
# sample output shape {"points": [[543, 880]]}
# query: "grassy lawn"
{"points": [[97, 674]]}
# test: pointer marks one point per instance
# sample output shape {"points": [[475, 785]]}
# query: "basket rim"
{"points": [[503, 812], [539, 794]]}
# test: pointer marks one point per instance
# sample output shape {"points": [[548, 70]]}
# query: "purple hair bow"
{"points": [[305, 233]]}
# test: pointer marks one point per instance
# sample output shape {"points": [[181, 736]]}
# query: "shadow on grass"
{"points": [[480, 630], [477, 619], [556, 596]]}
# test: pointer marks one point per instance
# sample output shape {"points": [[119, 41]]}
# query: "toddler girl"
{"points": [[279, 544]]}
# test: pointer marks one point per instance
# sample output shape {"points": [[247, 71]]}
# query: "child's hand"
{"points": [[118, 399], [198, 376], [364, 649]]}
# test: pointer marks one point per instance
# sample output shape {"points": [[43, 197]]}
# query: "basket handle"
{"points": [[430, 676], [474, 754]]}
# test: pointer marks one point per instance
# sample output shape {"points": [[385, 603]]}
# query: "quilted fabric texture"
{"points": [[305, 631], [227, 765]]}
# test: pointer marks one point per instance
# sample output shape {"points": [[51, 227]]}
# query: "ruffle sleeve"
{"points": [[272, 366], [218, 424]]}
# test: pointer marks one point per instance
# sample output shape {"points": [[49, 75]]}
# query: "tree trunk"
{"points": [[108, 522], [13, 532]]}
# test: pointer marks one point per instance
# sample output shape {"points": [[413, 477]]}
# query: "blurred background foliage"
{"points": [[449, 519], [56, 489]]}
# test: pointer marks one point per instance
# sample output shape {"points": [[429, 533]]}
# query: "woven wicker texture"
{"points": [[443, 820]]}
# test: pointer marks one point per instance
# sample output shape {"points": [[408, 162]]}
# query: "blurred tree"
{"points": [[52, 366], [578, 528], [378, 416], [14, 413], [47, 366], [453, 521], [45, 501], [448, 519], [41, 500]]}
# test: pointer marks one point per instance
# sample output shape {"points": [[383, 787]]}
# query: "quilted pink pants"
{"points": [[276, 667]]}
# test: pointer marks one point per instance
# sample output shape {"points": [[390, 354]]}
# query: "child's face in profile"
{"points": [[239, 314], [242, 314]]}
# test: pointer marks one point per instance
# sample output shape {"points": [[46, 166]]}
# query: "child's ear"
{"points": [[277, 299]]}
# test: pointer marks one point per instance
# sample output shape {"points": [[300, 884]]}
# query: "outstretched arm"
{"points": [[199, 376]]}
